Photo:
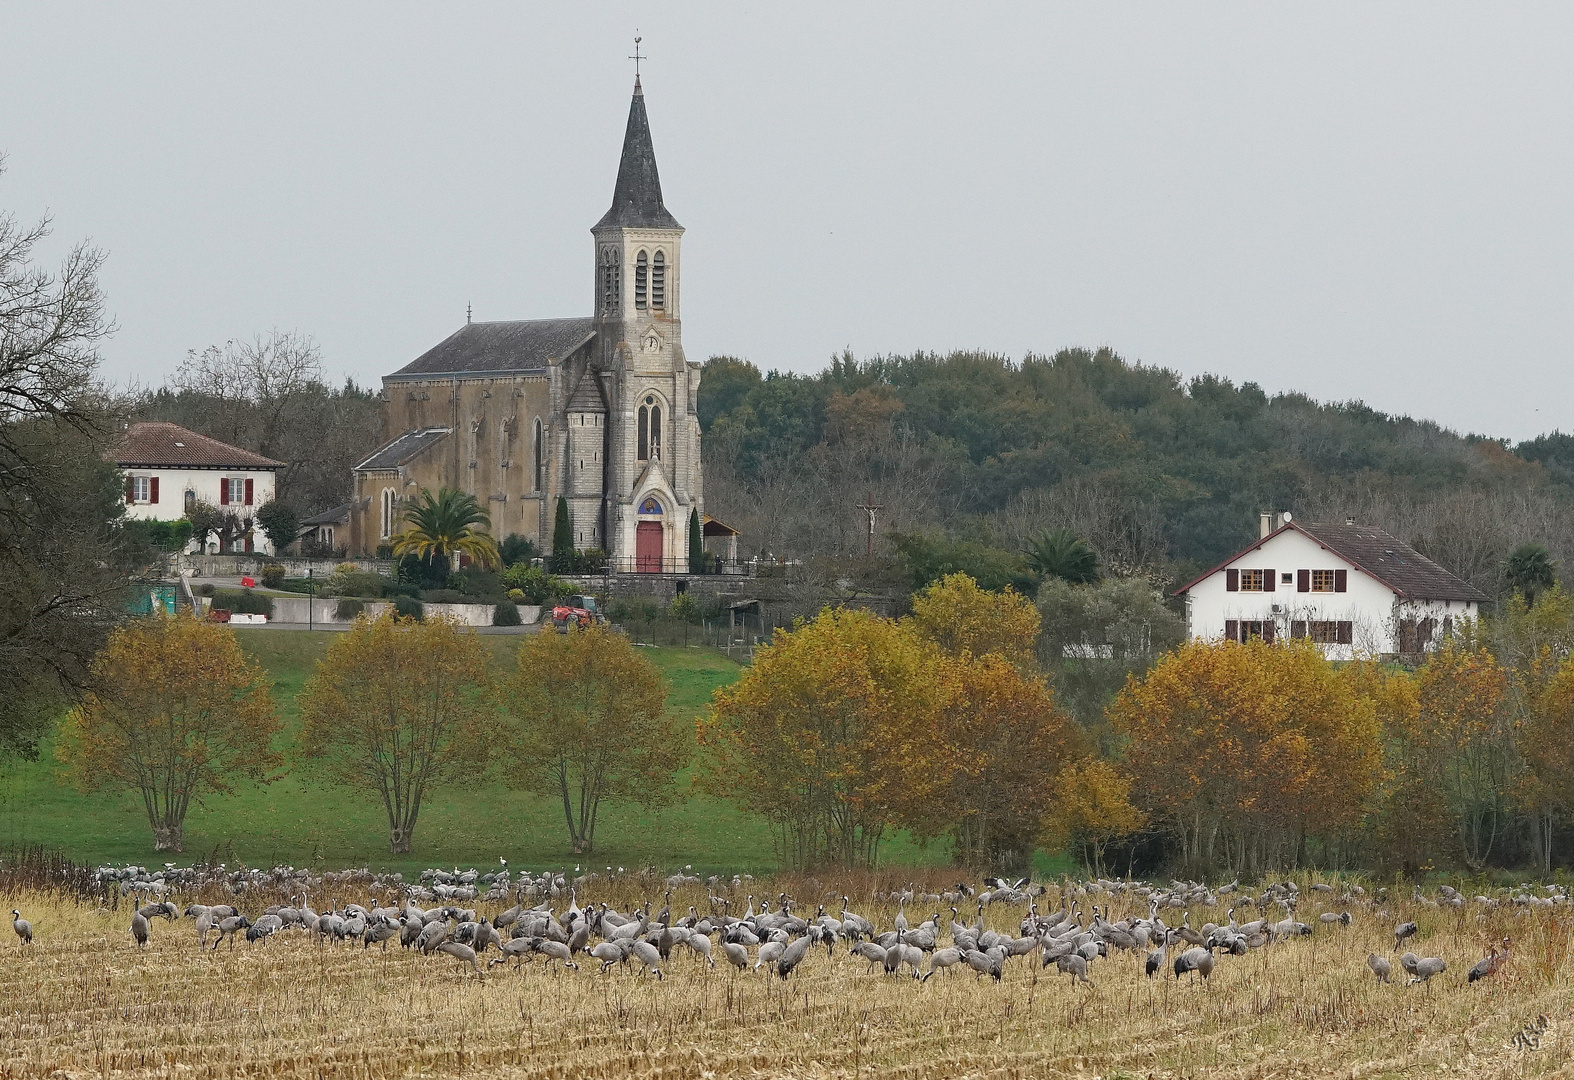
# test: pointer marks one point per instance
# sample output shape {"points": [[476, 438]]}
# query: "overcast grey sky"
{"points": [[1360, 200]]}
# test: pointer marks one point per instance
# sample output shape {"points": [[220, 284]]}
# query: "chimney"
{"points": [[1349, 521], [1267, 524]]}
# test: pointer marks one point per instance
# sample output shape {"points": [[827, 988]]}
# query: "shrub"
{"points": [[272, 574], [297, 585], [475, 582], [517, 595], [423, 574], [407, 607], [244, 602], [444, 596], [348, 580], [205, 589], [385, 550], [392, 589], [683, 608], [579, 561], [506, 614], [516, 549], [349, 609], [538, 586]]}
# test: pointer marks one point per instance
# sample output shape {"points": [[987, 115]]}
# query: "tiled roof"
{"points": [[586, 397], [636, 201], [152, 443], [1391, 561], [1379, 554], [494, 347], [338, 515], [405, 448]]}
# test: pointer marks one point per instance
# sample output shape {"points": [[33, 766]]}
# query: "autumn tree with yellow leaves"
{"points": [[395, 708], [1092, 809], [178, 711], [964, 619], [587, 724], [1243, 751]]}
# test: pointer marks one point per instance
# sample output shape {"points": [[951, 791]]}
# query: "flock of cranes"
{"points": [[1075, 935]]}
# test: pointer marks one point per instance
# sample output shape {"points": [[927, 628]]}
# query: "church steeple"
{"points": [[636, 201]]}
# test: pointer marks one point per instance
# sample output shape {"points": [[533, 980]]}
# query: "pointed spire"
{"points": [[636, 201]]}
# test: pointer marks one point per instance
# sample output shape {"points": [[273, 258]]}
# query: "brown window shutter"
{"points": [[224, 491], [1341, 581], [153, 489], [1298, 626], [1270, 580], [1346, 631], [131, 490], [1303, 581], [1267, 631], [248, 491], [1232, 627], [1232, 578]]}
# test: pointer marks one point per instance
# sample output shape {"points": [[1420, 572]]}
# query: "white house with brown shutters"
{"points": [[1353, 589], [167, 468]]}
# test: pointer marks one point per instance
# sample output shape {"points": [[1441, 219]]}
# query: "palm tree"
{"points": [[447, 523], [1529, 570], [1061, 553]]}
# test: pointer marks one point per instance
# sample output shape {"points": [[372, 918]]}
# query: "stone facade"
{"points": [[599, 410]]}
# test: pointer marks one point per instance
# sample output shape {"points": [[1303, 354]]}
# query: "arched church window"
{"points": [[641, 266], [390, 504], [658, 282], [644, 433], [610, 280], [655, 429], [536, 455]]}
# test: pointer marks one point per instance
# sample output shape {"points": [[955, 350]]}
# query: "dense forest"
{"points": [[1162, 475]]}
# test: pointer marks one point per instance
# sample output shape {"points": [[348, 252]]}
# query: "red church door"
{"points": [[647, 547]]}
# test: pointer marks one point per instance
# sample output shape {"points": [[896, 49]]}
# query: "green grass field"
{"points": [[299, 822]]}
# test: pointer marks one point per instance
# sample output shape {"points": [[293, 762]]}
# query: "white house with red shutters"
{"points": [[1353, 589], [168, 468]]}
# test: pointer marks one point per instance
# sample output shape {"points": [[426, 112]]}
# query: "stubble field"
{"points": [[83, 1001]]}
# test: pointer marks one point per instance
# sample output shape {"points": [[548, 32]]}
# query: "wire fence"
{"points": [[737, 637]]}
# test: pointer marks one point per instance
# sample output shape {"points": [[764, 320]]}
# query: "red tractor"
{"points": [[574, 612]]}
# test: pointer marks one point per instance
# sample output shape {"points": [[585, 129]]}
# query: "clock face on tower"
{"points": [[651, 342]]}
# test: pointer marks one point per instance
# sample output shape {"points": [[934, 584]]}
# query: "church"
{"points": [[598, 410]]}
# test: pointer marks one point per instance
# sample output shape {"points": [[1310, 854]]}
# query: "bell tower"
{"points": [[653, 457]]}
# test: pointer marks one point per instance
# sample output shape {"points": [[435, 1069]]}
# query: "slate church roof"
{"points": [[636, 201], [500, 347], [404, 449]]}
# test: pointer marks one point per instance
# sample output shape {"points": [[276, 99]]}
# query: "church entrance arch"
{"points": [[649, 537]]}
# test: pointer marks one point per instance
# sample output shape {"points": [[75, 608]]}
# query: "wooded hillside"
{"points": [[1159, 473]]}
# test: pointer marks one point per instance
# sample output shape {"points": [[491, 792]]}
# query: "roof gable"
{"points": [[153, 443]]}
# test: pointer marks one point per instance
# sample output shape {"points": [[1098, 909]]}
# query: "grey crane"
{"points": [[1197, 960], [1379, 965], [791, 956], [556, 950], [463, 953], [1075, 965], [609, 953], [1403, 931], [139, 929], [1490, 964], [1422, 969], [984, 963], [736, 955], [266, 926], [228, 927], [943, 960]]}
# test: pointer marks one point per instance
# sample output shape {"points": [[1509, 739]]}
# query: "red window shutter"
{"points": [[1267, 631], [1346, 631], [153, 489], [224, 491], [1232, 627], [1232, 581], [1298, 626], [248, 491], [1270, 580], [1303, 581], [131, 490], [1341, 582]]}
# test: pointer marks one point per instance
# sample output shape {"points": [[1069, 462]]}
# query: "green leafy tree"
{"points": [[1529, 570], [588, 724], [280, 523], [696, 544], [447, 524], [1062, 554], [930, 558], [517, 549]]}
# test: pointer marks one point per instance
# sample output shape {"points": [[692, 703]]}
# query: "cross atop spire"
{"points": [[637, 57]]}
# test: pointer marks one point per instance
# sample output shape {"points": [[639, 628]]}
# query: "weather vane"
{"points": [[637, 57]]}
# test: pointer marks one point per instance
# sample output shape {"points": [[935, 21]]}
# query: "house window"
{"points": [[658, 282], [1322, 581], [190, 500], [1251, 581], [1325, 631], [641, 269], [1244, 630], [235, 490], [141, 487]]}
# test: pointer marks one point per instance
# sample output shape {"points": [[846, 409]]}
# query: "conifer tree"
{"points": [[562, 535], [696, 544]]}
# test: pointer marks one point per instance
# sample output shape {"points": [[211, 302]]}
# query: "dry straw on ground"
{"points": [[82, 1001]]}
